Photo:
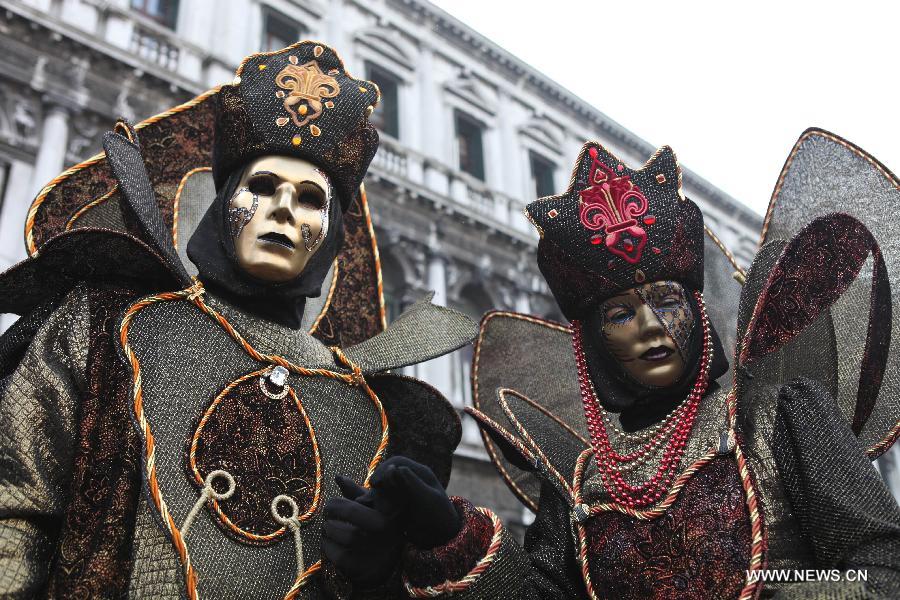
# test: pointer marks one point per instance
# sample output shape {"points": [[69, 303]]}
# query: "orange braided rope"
{"points": [[740, 272], [192, 458], [194, 294], [302, 580], [364, 200], [42, 195], [452, 587], [176, 201], [523, 432], [335, 266], [95, 202], [150, 446], [358, 379], [758, 545]]}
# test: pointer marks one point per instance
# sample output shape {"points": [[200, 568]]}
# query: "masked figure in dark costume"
{"points": [[167, 436], [649, 480]]}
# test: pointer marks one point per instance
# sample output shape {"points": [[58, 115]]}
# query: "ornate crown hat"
{"points": [[299, 101], [615, 228]]}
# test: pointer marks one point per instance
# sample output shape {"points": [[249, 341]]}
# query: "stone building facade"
{"points": [[469, 135]]}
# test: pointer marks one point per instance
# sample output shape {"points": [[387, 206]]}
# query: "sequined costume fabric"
{"points": [[776, 470], [193, 360]]}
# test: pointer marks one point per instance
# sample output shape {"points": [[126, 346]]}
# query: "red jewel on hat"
{"points": [[649, 220]]}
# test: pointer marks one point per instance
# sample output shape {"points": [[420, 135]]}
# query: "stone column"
{"points": [[16, 201], [54, 140], [523, 304], [411, 127], [336, 34], [438, 371], [50, 161], [12, 222], [513, 180], [432, 143]]}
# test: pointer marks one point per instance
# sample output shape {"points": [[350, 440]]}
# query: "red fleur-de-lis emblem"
{"points": [[612, 205]]}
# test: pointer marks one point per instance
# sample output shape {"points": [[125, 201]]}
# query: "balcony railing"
{"points": [[391, 159], [155, 48]]}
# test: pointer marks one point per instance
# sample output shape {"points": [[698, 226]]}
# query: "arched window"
{"points": [[387, 114], [279, 30], [164, 12], [469, 144], [393, 286]]}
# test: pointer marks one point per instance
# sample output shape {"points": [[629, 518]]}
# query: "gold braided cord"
{"points": [[646, 514], [454, 587], [176, 202], [523, 432], [42, 195], [891, 179], [95, 202], [488, 443], [192, 460], [365, 207], [757, 546], [335, 266], [194, 295], [885, 443], [740, 274]]}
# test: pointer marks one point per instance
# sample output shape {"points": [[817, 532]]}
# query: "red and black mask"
{"points": [[615, 228]]}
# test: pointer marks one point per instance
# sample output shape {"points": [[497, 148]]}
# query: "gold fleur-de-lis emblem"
{"points": [[305, 87]]}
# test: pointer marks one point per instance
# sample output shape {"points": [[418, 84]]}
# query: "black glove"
{"points": [[424, 511], [360, 538]]}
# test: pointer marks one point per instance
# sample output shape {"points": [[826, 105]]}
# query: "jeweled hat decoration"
{"points": [[298, 101], [615, 228]]}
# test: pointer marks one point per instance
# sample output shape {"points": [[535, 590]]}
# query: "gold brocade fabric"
{"points": [[189, 359], [38, 405]]}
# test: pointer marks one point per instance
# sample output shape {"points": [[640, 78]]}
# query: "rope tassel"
{"points": [[208, 492]]}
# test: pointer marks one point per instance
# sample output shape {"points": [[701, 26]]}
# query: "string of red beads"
{"points": [[679, 430]]}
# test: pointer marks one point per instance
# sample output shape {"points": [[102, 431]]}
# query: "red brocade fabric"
{"points": [[453, 560], [699, 548]]}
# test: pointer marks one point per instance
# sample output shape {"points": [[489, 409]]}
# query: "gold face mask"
{"points": [[279, 216], [647, 330]]}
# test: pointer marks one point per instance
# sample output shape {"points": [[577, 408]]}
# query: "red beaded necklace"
{"points": [[678, 427]]}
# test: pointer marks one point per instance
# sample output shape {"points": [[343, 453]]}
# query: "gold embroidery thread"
{"points": [[306, 86]]}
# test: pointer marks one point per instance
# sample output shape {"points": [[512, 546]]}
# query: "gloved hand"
{"points": [[423, 510], [360, 537]]}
